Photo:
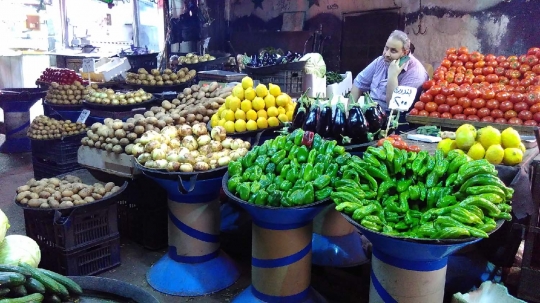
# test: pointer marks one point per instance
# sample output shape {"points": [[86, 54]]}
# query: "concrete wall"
{"points": [[489, 26]]}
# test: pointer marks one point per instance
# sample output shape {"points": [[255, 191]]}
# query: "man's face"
{"points": [[393, 50]]}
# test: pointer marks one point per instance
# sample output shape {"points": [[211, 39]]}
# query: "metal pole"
{"points": [[136, 23], [166, 18], [64, 23]]}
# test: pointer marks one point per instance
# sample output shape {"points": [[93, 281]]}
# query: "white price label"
{"points": [[88, 65], [83, 116], [402, 98]]}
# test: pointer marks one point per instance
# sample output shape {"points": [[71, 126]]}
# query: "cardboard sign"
{"points": [[88, 65], [402, 98], [83, 116]]}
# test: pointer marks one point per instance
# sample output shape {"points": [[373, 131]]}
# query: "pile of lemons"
{"points": [[249, 108], [487, 143]]}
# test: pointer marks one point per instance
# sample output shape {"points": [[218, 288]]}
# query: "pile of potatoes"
{"points": [[192, 58], [113, 135], [156, 78], [66, 94], [66, 192], [45, 128]]}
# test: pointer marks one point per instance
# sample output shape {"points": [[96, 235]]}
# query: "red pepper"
{"points": [[307, 139]]}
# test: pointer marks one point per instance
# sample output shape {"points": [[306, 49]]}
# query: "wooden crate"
{"points": [[454, 123]]}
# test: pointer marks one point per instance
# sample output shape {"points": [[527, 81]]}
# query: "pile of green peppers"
{"points": [[287, 171], [418, 195]]}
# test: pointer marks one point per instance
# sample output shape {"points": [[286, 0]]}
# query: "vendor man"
{"points": [[384, 74]]}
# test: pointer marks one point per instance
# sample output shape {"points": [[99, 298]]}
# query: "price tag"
{"points": [[88, 65], [402, 98], [83, 116]]}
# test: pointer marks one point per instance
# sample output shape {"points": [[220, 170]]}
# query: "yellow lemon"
{"points": [[249, 94], [251, 125], [446, 145], [269, 101], [229, 127], [258, 103], [283, 118], [240, 114], [223, 112], [261, 90], [290, 115], [273, 121], [251, 115], [510, 138], [495, 154], [229, 115], [275, 90], [282, 100], [228, 101], [247, 82], [262, 123], [238, 92], [272, 112], [221, 122], [488, 136], [281, 110], [240, 125], [469, 129], [245, 105], [466, 138], [477, 151], [512, 156], [522, 147], [234, 104], [291, 107], [262, 114], [214, 122]]}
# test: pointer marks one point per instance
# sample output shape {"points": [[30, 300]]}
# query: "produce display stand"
{"points": [[221, 58], [194, 264], [16, 104], [288, 76], [220, 76], [409, 270], [281, 253], [121, 165]]}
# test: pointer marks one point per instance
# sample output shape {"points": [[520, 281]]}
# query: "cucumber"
{"points": [[34, 286], [10, 279], [17, 269], [71, 286], [33, 298], [50, 284], [4, 292], [18, 291], [52, 299]]}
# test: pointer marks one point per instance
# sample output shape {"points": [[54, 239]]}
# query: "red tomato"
{"points": [[479, 78], [434, 90], [459, 117], [480, 64], [469, 65], [521, 106], [431, 107], [396, 137], [400, 144], [503, 80], [530, 123], [502, 96], [525, 115], [470, 111], [413, 148], [497, 113], [463, 57], [499, 71], [532, 97], [461, 69], [536, 81], [510, 114], [438, 76], [463, 50], [456, 109], [451, 100], [442, 83], [514, 65], [423, 113], [487, 94], [492, 104], [505, 64], [428, 84], [477, 71], [473, 93], [525, 82], [529, 75], [449, 77], [478, 103], [532, 60], [501, 120], [473, 118], [435, 114], [501, 59], [536, 69], [490, 57], [514, 82], [461, 92], [458, 78], [488, 70], [492, 63], [443, 108], [457, 63], [487, 119], [451, 51], [475, 56], [425, 97], [446, 115], [446, 63], [515, 74], [413, 112], [464, 102], [536, 117], [447, 90], [522, 59], [468, 79], [419, 105], [520, 89], [381, 141], [440, 99], [498, 87], [524, 68], [483, 112], [506, 106], [515, 121], [533, 51], [516, 97], [451, 57], [535, 108]]}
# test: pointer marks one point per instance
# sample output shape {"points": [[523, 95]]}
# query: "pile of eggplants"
{"points": [[352, 125], [268, 59]]}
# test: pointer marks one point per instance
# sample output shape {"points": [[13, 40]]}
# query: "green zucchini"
{"points": [[18, 291], [4, 292], [50, 284], [71, 286], [33, 298], [52, 299], [17, 269], [10, 279], [34, 286]]}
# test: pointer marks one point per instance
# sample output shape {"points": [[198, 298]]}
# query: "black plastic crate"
{"points": [[91, 259], [70, 229], [290, 81], [48, 169], [148, 61], [60, 151]]}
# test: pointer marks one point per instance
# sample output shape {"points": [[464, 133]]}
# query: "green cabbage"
{"points": [[315, 65], [4, 225], [18, 248]]}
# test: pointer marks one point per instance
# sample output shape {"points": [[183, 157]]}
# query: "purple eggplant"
{"points": [[337, 130], [373, 116], [300, 111], [382, 114], [325, 121], [357, 127], [310, 124]]}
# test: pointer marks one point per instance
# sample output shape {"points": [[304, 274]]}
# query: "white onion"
{"points": [[203, 140], [223, 161], [158, 154]]}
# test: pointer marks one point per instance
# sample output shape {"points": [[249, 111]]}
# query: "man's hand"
{"points": [[394, 69]]}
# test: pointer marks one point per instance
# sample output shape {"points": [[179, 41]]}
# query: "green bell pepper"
{"points": [[371, 159], [317, 142], [270, 168], [255, 187], [322, 182], [285, 170], [275, 197], [263, 150], [312, 156], [257, 173], [322, 194], [331, 171], [262, 161], [302, 154], [262, 198], [292, 175], [234, 169], [308, 172], [280, 155], [264, 181], [293, 152], [309, 191], [244, 190], [247, 173], [285, 185], [330, 147], [298, 197], [249, 159], [233, 183], [279, 167]]}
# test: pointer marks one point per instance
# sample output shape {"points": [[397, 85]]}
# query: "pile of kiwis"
{"points": [[66, 94], [64, 192], [156, 78], [113, 135], [45, 128]]}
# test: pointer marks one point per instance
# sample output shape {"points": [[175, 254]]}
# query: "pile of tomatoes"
{"points": [[471, 86], [398, 142], [62, 76]]}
